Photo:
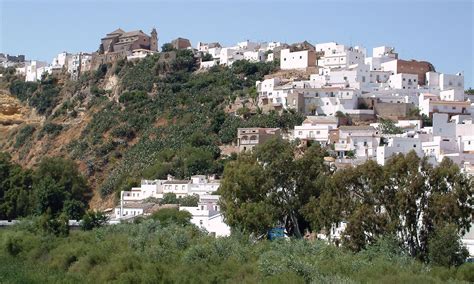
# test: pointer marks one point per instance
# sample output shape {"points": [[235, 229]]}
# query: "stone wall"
{"points": [[415, 67], [111, 57]]}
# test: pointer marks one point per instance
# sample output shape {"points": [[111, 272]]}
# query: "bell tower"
{"points": [[154, 40]]}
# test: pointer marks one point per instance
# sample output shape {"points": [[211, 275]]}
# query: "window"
{"points": [[301, 57], [414, 145], [300, 132]]}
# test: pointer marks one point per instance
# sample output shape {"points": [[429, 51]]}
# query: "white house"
{"points": [[207, 216], [315, 128], [147, 189], [227, 56], [355, 76], [297, 59], [203, 185], [431, 103], [134, 209], [77, 63], [34, 70], [396, 145], [380, 55], [61, 60], [138, 54], [361, 140], [403, 81], [342, 57], [198, 184], [254, 56]]}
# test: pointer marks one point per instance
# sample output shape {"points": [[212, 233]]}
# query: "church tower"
{"points": [[154, 40]]}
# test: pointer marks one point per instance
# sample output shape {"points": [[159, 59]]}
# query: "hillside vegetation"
{"points": [[157, 117], [159, 251]]}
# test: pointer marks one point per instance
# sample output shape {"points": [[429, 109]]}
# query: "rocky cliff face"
{"points": [[14, 113]]}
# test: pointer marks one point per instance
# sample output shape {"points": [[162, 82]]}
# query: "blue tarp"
{"points": [[276, 233]]}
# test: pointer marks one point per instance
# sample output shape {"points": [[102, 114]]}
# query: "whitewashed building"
{"points": [[315, 128], [207, 216], [297, 59], [396, 145], [361, 140], [35, 69], [198, 184]]}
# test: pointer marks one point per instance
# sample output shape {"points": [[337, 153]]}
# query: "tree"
{"points": [[15, 190], [167, 47], [56, 225], [190, 200], [387, 126], [74, 209], [93, 219], [64, 173], [427, 121], [245, 196], [446, 248], [168, 216], [169, 198], [50, 196], [207, 57], [261, 190], [407, 198]]}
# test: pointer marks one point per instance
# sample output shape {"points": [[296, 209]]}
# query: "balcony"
{"points": [[248, 142], [342, 147]]}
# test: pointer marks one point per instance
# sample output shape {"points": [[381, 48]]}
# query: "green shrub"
{"points": [[93, 220], [51, 129], [168, 216], [133, 97], [465, 272], [24, 135]]}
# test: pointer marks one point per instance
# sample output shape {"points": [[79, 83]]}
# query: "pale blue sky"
{"points": [[437, 31]]}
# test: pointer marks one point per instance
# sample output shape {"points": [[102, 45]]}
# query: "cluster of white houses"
{"points": [[339, 84], [206, 215]]}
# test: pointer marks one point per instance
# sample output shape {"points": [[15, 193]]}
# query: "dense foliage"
{"points": [[407, 198], [54, 188], [164, 249], [170, 120]]}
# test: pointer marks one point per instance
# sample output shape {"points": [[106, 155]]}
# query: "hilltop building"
{"points": [[120, 44]]}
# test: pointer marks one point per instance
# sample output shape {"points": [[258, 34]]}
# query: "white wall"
{"points": [[398, 145], [294, 60], [403, 81], [447, 81]]}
